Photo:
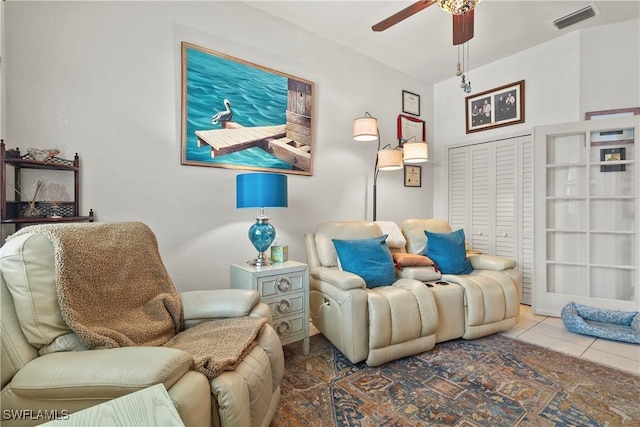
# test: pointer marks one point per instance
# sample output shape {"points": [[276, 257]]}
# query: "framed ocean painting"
{"points": [[240, 115]]}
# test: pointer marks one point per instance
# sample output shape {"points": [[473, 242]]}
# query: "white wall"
{"points": [[587, 70], [103, 79]]}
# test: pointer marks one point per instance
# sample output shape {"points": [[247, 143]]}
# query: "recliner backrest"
{"points": [[344, 230]]}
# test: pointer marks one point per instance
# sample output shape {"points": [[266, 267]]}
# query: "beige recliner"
{"points": [[45, 368], [490, 293], [367, 324], [376, 325]]}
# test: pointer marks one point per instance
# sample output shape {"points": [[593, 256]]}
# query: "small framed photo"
{"points": [[612, 155], [412, 176], [410, 103], [502, 106]]}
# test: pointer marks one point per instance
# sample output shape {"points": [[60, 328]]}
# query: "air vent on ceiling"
{"points": [[577, 16]]}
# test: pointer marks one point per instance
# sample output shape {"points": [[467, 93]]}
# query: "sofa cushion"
{"points": [[413, 230], [403, 259], [368, 258], [345, 230], [448, 252], [395, 238]]}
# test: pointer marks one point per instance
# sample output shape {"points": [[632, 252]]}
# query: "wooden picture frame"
{"points": [[412, 176], [240, 115], [502, 106], [411, 127], [618, 112], [410, 103]]}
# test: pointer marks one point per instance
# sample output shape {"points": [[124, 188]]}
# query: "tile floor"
{"points": [[550, 332]]}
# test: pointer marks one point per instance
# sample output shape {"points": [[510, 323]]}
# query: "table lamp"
{"points": [[261, 190]]}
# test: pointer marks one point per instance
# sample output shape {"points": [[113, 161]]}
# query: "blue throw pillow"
{"points": [[448, 252], [368, 258]]}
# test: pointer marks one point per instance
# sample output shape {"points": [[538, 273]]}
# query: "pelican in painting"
{"points": [[223, 116]]}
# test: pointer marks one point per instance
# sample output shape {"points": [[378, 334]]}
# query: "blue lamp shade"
{"points": [[261, 190]]}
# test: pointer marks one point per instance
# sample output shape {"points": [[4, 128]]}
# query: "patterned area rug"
{"points": [[492, 381]]}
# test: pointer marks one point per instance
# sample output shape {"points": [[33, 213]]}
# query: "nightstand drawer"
{"points": [[270, 286], [286, 305], [290, 326]]}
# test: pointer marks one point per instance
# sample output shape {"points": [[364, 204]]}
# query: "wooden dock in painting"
{"points": [[235, 137]]}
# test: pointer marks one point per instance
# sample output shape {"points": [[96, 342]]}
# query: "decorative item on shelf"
{"points": [[42, 154], [388, 158], [261, 190], [31, 211], [12, 153]]}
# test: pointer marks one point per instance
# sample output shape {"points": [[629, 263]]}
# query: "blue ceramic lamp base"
{"points": [[261, 234]]}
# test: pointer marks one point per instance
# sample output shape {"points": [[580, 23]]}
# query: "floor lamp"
{"points": [[366, 129]]}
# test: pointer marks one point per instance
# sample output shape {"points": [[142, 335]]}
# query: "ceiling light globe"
{"points": [[457, 7]]}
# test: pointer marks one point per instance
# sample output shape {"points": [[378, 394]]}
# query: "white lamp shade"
{"points": [[389, 160], [415, 152], [365, 129]]}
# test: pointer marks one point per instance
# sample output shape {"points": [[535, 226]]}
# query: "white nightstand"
{"points": [[284, 287]]}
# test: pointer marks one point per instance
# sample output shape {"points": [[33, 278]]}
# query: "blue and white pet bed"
{"points": [[598, 322]]}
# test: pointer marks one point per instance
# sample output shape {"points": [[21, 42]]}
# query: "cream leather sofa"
{"points": [[386, 323], [39, 378]]}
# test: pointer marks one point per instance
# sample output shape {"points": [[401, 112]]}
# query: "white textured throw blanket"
{"points": [[114, 291]]}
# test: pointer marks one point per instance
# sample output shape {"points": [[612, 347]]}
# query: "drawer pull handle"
{"points": [[284, 284], [283, 328], [284, 305]]}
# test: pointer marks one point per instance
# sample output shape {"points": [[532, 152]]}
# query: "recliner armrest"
{"points": [[100, 374], [219, 303], [341, 279], [491, 262]]}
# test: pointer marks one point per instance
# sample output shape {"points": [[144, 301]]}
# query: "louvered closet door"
{"points": [[458, 188], [506, 203], [491, 198], [480, 233]]}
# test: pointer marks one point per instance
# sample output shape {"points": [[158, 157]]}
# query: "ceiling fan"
{"points": [[461, 10]]}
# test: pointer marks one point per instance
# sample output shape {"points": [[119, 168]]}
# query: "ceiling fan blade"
{"points": [[463, 27], [402, 15]]}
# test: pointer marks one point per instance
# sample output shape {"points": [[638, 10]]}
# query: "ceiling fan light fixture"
{"points": [[457, 7]]}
